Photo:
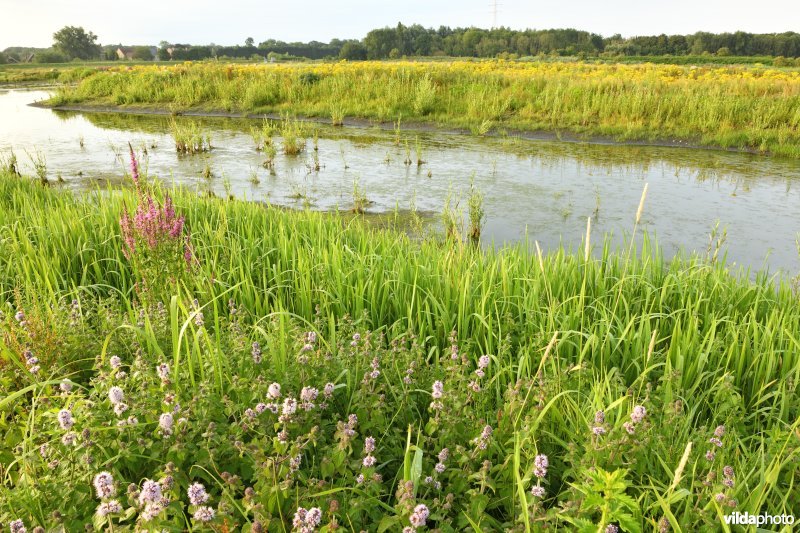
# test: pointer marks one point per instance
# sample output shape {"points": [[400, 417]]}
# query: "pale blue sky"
{"points": [[32, 22]]}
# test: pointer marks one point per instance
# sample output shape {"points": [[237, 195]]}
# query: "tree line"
{"points": [[72, 43]]}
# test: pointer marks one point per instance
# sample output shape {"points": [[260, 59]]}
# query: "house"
{"points": [[137, 52]]}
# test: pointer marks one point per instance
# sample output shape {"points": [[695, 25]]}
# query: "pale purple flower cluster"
{"points": [[307, 397], [307, 521], [419, 516], [65, 419], [261, 407], [151, 492], [328, 390], [104, 485], [289, 408], [538, 491], [199, 319], [437, 394], [32, 361], [69, 438], [109, 507], [255, 352], [115, 362], [408, 379], [17, 526], [716, 440], [375, 365], [163, 372], [443, 456], [540, 465], [197, 494], [728, 475], [203, 514], [482, 440], [483, 364], [611, 528], [369, 445], [638, 414], [65, 386], [165, 422], [274, 391], [599, 427], [116, 395]]}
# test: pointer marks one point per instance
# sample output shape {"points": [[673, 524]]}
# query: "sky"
{"points": [[33, 22]]}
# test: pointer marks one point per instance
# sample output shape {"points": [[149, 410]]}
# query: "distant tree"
{"points": [[163, 53], [74, 42], [3, 59], [249, 42], [724, 51], [353, 51], [142, 53]]}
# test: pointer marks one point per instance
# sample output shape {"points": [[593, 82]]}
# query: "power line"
{"points": [[494, 5]]}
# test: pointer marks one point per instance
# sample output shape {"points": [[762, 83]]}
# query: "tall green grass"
{"points": [[700, 346], [710, 322], [750, 108]]}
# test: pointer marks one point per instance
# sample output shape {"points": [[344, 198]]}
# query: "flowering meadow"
{"points": [[172, 363], [754, 107]]}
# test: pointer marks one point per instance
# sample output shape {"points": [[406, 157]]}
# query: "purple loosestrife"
{"points": [[153, 235]]}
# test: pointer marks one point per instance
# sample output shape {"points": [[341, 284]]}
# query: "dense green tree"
{"points": [[353, 51], [142, 53], [74, 42], [249, 42]]}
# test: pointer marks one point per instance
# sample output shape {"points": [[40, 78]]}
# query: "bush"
{"points": [[50, 56]]}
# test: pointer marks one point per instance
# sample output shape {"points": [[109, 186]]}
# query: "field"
{"points": [[753, 108], [174, 362]]}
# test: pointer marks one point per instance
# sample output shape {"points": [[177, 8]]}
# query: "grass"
{"points": [[744, 107], [334, 301], [190, 137]]}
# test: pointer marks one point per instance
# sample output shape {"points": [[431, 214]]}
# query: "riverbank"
{"points": [[747, 108]]}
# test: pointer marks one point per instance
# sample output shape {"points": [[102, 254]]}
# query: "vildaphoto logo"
{"points": [[745, 519]]}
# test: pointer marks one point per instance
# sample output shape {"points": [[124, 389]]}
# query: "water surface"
{"points": [[542, 189]]}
